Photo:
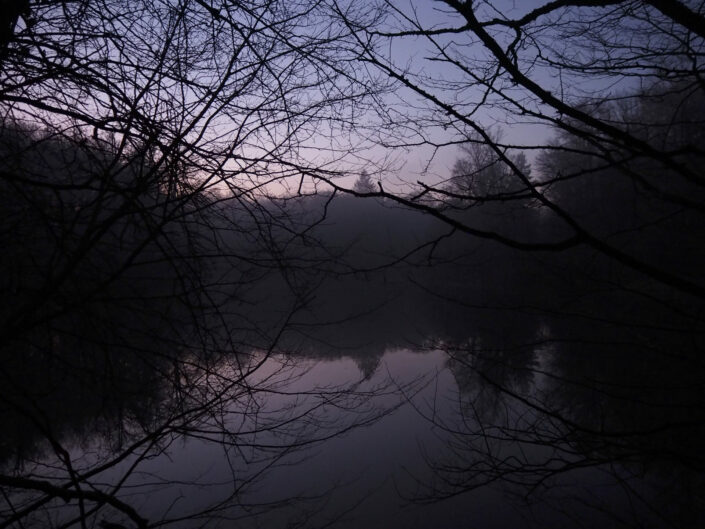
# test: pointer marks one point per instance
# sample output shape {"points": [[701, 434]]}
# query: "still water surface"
{"points": [[419, 412]]}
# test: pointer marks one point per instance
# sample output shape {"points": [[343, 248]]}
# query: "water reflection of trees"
{"points": [[589, 413], [83, 422]]}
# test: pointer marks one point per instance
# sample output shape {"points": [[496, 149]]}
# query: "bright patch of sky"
{"points": [[423, 145], [453, 67]]}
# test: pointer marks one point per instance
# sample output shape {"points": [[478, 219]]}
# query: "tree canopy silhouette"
{"points": [[168, 176]]}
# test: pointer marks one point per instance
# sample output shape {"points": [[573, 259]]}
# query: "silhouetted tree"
{"points": [[364, 183], [481, 174]]}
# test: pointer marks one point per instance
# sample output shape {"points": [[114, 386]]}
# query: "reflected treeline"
{"points": [[579, 418], [88, 374], [585, 395]]}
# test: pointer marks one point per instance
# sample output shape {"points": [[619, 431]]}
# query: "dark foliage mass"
{"points": [[198, 206]]}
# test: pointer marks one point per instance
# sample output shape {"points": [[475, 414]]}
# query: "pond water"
{"points": [[398, 408]]}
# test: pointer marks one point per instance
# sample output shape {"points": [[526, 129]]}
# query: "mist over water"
{"points": [[466, 385]]}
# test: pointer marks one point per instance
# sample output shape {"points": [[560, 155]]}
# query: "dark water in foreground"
{"points": [[400, 407]]}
